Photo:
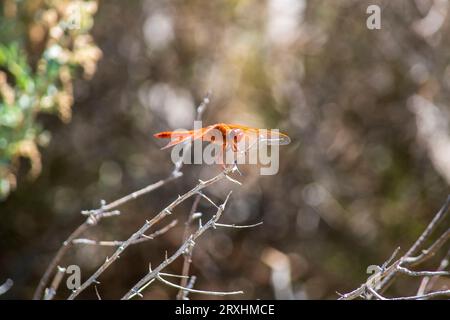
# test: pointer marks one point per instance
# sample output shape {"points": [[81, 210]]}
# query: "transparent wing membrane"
{"points": [[274, 138]]}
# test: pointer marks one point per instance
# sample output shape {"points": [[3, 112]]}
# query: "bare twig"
{"points": [[188, 253], [416, 297], [97, 294], [376, 294], [6, 286], [214, 293], [425, 296], [172, 275], [372, 280], [190, 285], [370, 285], [234, 180], [182, 294], [430, 228], [422, 273], [234, 226], [50, 292], [134, 195], [94, 217], [430, 252], [207, 198], [391, 258], [419, 242], [57, 258], [152, 274], [116, 243], [429, 281], [203, 105], [400, 266], [138, 293], [148, 224]]}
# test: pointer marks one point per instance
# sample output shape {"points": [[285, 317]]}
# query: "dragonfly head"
{"points": [[235, 135]]}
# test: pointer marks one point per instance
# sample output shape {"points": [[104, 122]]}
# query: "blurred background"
{"points": [[367, 168]]}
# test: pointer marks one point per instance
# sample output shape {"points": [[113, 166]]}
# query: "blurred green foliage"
{"points": [[42, 45]]}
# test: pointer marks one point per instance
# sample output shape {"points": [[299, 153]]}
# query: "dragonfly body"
{"points": [[228, 135]]}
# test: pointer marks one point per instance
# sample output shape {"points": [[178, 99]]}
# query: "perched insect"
{"points": [[228, 135]]}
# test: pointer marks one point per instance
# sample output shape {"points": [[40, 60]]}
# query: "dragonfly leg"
{"points": [[219, 159], [237, 168]]}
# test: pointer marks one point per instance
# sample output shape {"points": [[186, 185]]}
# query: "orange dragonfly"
{"points": [[228, 135]]}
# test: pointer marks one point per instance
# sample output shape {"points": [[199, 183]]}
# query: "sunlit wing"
{"points": [[175, 136], [178, 137], [270, 137]]}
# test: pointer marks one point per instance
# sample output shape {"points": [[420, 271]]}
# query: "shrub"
{"points": [[43, 44]]}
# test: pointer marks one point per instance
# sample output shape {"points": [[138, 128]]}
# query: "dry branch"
{"points": [[154, 274], [50, 292], [147, 225], [377, 283], [182, 294], [116, 243], [6, 286], [94, 216], [106, 210]]}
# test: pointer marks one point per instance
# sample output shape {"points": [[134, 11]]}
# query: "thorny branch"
{"points": [[430, 252], [50, 292], [147, 225], [108, 210], [182, 294], [377, 283], [94, 217], [116, 243], [155, 273], [430, 280]]}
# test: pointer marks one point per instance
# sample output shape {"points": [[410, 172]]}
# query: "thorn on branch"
{"points": [[196, 215], [136, 292], [207, 198], [97, 294]]}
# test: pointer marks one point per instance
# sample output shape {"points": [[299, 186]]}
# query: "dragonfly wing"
{"points": [[182, 136], [274, 138], [270, 137], [177, 139]]}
